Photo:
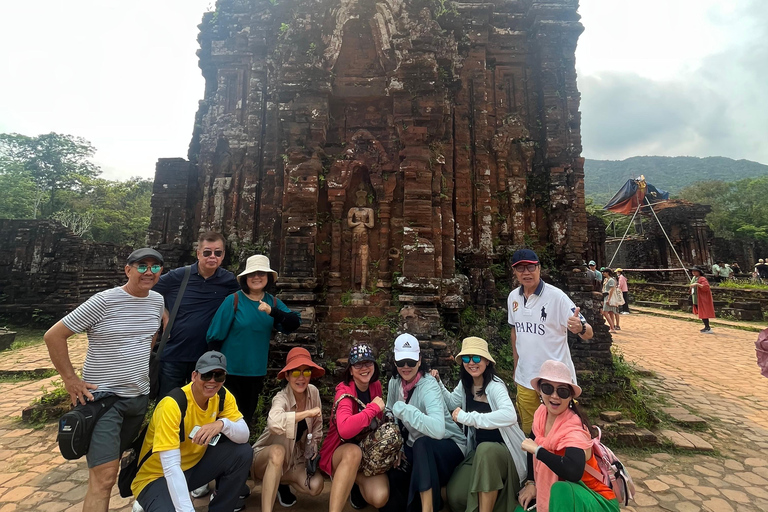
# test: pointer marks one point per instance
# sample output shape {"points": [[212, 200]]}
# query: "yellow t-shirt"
{"points": [[163, 433]]}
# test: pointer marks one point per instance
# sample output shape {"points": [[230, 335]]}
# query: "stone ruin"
{"points": [[388, 156], [684, 223]]}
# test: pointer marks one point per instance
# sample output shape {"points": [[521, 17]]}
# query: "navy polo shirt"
{"points": [[198, 305]]}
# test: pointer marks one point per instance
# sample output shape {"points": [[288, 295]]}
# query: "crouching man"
{"points": [[174, 467]]}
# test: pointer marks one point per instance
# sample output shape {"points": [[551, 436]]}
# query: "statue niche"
{"points": [[360, 219]]}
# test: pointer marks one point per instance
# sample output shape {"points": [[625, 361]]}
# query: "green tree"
{"points": [[739, 208], [17, 192], [53, 161]]}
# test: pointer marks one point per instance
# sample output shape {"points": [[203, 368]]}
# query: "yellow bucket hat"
{"points": [[474, 346]]}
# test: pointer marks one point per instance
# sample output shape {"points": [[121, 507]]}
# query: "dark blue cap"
{"points": [[524, 256], [361, 352]]}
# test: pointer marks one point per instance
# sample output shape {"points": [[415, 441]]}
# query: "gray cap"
{"points": [[211, 360], [146, 252]]}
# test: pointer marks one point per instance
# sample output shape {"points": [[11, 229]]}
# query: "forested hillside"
{"points": [[604, 177]]}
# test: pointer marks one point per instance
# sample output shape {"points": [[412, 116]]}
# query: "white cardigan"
{"points": [[502, 417]]}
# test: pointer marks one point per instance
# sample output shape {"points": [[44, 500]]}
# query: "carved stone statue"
{"points": [[360, 219]]}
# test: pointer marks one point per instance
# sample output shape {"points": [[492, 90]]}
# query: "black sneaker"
{"points": [[285, 496], [356, 498], [705, 330]]}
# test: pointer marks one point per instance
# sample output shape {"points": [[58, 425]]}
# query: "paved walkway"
{"points": [[714, 376]]}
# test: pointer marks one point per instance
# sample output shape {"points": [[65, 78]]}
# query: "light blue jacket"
{"points": [[502, 417], [425, 414]]}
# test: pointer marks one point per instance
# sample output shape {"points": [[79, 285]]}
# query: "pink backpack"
{"points": [[761, 347], [612, 471]]}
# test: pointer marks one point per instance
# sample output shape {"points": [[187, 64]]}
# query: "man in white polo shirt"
{"points": [[540, 316], [121, 324]]}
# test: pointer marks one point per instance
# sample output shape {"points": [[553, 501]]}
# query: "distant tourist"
{"points": [[736, 269], [725, 271], [121, 324], [701, 296], [596, 275], [541, 316], [624, 289], [611, 299], [716, 272], [761, 269]]}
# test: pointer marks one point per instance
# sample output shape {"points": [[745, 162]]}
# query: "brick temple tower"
{"points": [[402, 147]]}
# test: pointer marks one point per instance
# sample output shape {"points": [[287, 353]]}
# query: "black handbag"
{"points": [[76, 427]]}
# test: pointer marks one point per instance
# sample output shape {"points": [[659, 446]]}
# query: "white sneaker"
{"points": [[201, 491], [136, 507]]}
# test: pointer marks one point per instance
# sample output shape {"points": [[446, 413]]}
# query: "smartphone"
{"points": [[212, 442], [532, 507]]}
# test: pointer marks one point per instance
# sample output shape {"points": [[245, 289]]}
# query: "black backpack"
{"points": [[130, 464]]}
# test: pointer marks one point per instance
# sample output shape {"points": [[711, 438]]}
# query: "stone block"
{"points": [[610, 416], [677, 440]]}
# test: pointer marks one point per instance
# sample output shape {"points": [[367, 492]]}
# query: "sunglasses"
{"points": [[410, 363], [562, 392], [362, 364], [474, 359], [142, 267], [217, 376], [258, 273], [298, 373], [218, 253], [531, 267]]}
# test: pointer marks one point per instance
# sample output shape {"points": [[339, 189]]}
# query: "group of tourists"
{"points": [[613, 285], [468, 440]]}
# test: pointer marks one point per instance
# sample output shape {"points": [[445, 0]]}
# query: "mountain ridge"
{"points": [[603, 178]]}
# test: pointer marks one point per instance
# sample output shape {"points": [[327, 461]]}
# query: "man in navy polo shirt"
{"points": [[208, 286], [541, 316]]}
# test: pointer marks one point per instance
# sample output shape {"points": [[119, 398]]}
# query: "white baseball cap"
{"points": [[406, 347]]}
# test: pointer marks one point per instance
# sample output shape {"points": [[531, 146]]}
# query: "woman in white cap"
{"points": [[489, 478], [433, 445], [241, 330], [560, 449]]}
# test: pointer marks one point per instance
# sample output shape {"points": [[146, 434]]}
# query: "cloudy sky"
{"points": [[658, 77]]}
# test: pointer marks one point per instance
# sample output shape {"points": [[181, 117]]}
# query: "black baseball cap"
{"points": [[524, 256], [146, 252]]}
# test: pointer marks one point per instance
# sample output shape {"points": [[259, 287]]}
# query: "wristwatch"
{"points": [[583, 327]]}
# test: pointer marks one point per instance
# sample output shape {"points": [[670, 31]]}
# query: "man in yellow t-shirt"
{"points": [[165, 477]]}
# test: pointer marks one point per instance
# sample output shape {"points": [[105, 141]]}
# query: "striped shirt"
{"points": [[120, 328]]}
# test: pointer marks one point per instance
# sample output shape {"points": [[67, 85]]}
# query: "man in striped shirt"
{"points": [[121, 325]]}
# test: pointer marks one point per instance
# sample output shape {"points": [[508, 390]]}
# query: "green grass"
{"points": [[743, 285], [19, 376], [26, 336]]}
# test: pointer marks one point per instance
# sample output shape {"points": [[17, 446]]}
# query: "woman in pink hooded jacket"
{"points": [[340, 455]]}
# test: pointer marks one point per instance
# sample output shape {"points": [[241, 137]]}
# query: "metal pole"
{"points": [[685, 269], [625, 236]]}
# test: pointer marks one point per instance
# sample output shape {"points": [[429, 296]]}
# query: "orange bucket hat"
{"points": [[298, 357]]}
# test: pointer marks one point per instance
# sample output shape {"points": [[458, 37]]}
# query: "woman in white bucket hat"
{"points": [[241, 330]]}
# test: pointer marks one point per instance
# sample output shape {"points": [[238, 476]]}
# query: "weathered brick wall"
{"points": [[459, 126], [46, 271]]}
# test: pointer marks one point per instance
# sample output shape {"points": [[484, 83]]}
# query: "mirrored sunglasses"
{"points": [[410, 363], [218, 376], [562, 391], [218, 253], [142, 267], [474, 359], [298, 373]]}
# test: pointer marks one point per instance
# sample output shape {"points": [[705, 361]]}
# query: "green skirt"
{"points": [[489, 468], [577, 497]]}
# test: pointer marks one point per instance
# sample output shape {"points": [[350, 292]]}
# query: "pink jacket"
{"points": [[623, 283], [348, 421]]}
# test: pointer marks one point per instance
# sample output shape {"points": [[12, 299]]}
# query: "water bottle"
{"points": [[309, 452]]}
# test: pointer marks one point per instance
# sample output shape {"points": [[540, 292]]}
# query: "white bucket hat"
{"points": [[257, 263]]}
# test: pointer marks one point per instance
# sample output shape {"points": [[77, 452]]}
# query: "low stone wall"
{"points": [[46, 270], [724, 298]]}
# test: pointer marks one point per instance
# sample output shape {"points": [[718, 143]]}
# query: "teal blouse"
{"points": [[245, 333]]}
